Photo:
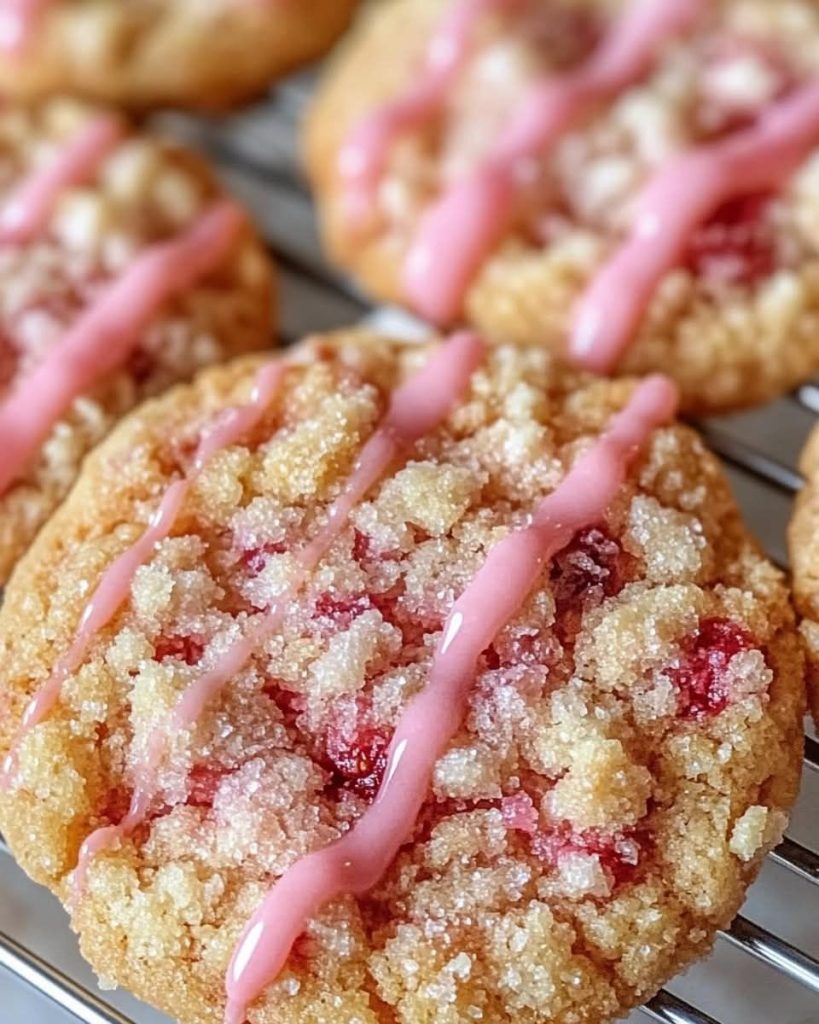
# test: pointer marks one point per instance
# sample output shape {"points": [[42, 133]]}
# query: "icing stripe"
{"points": [[107, 332], [115, 585], [458, 231], [25, 214], [416, 408], [356, 862], [679, 198], [363, 158]]}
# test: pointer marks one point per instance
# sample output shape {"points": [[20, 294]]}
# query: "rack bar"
{"points": [[670, 1010], [743, 456], [798, 859], [775, 952], [83, 1005], [812, 754], [808, 397]]}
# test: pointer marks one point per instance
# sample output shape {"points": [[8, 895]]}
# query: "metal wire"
{"points": [[808, 396], [798, 966], [743, 456], [802, 862], [811, 754], [56, 986], [671, 1010]]}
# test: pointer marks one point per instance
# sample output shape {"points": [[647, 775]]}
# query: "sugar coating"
{"points": [[736, 324], [630, 752], [185, 53], [146, 191]]}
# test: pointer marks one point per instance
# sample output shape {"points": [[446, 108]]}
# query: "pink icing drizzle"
{"points": [[356, 862], [18, 19], [416, 408], [25, 214], [471, 217], [108, 331], [115, 585], [678, 199], [363, 158]]}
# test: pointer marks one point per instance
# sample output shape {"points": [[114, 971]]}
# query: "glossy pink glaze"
{"points": [[463, 226], [107, 332], [417, 407], [115, 585], [18, 21], [676, 201], [363, 157], [356, 862], [25, 213]]}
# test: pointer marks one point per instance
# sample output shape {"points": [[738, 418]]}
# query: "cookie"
{"points": [[123, 270], [395, 682], [155, 53], [633, 184]]}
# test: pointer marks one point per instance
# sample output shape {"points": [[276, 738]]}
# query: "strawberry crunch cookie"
{"points": [[392, 683], [123, 270], [633, 183], [199, 53]]}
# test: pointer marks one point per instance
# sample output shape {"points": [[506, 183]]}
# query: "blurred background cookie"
{"points": [[123, 269], [516, 602], [633, 184], [157, 53]]}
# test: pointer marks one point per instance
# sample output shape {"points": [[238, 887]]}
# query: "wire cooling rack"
{"points": [[765, 968]]}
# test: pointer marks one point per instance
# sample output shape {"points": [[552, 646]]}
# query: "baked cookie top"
{"points": [[159, 53], [123, 269], [398, 682], [633, 184]]}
